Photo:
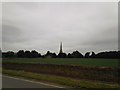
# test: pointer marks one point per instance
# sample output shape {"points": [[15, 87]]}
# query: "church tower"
{"points": [[61, 48]]}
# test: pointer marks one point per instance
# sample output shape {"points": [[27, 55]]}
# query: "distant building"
{"points": [[61, 48], [61, 53]]}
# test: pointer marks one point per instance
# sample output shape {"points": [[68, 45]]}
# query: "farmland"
{"points": [[108, 74], [72, 61], [100, 70]]}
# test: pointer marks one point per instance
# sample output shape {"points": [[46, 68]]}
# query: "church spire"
{"points": [[61, 48]]}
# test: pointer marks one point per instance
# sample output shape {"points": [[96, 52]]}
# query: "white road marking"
{"points": [[33, 81]]}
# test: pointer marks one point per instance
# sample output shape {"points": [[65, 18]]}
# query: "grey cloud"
{"points": [[42, 26], [11, 34]]}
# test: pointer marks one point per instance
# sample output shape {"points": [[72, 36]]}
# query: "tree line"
{"points": [[74, 54]]}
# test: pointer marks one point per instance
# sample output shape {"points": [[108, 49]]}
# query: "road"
{"points": [[15, 82]]}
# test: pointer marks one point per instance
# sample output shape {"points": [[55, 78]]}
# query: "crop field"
{"points": [[72, 61], [108, 74]]}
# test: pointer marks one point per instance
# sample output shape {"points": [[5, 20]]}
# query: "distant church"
{"points": [[61, 53], [61, 48], [50, 55]]}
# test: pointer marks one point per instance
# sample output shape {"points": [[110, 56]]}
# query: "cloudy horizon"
{"points": [[41, 26]]}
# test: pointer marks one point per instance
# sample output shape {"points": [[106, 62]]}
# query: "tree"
{"points": [[118, 54], [48, 54], [110, 54], [69, 55], [76, 54], [10, 54], [39, 55], [34, 54], [62, 55], [21, 54], [0, 53], [54, 55], [87, 55], [27, 54], [92, 55]]}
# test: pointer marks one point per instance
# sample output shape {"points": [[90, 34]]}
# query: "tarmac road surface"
{"points": [[15, 82]]}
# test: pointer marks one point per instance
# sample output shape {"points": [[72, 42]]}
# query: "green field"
{"points": [[73, 61]]}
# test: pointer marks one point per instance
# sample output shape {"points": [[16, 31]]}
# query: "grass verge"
{"points": [[61, 80]]}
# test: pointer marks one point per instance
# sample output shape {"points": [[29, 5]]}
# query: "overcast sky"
{"points": [[41, 26]]}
